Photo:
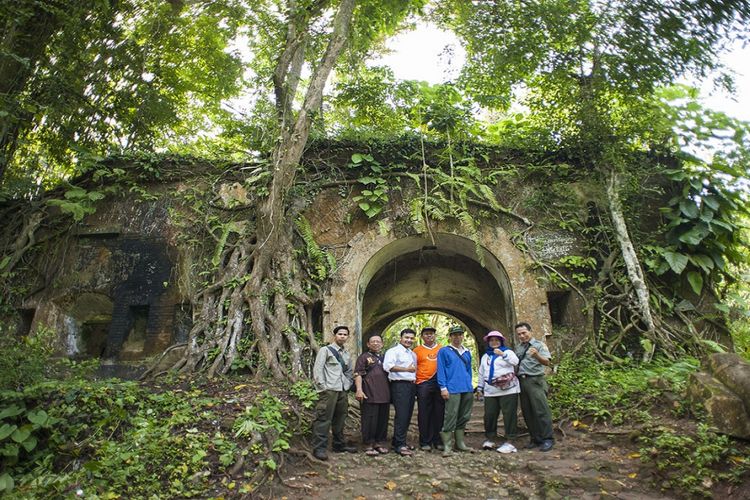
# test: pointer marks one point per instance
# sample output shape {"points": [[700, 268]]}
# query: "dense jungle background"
{"points": [[103, 101]]}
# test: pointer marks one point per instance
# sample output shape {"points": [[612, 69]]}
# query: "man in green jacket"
{"points": [[332, 375], [533, 357]]}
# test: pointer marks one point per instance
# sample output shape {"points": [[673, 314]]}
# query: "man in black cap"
{"points": [[430, 403]]}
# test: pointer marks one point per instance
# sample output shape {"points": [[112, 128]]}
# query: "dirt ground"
{"points": [[586, 462]]}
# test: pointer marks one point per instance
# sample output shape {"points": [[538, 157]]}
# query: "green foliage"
{"points": [[372, 103], [305, 392], [737, 308], [25, 360], [78, 202], [21, 430], [561, 48], [320, 263], [702, 232], [741, 337], [96, 76], [374, 196], [580, 267], [266, 414], [586, 388], [691, 463], [113, 439]]}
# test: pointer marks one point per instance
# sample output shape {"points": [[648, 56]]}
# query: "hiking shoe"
{"points": [[345, 449], [507, 448], [320, 455], [547, 445], [488, 445], [532, 445], [425, 447]]}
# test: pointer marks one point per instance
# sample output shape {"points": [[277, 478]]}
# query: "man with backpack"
{"points": [[332, 375]]}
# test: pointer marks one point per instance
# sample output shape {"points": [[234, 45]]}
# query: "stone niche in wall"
{"points": [[113, 296]]}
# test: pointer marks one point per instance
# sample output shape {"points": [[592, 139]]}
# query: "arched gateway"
{"points": [[383, 278]]}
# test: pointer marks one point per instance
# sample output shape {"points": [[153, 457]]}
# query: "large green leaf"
{"points": [[689, 208], [29, 443], [11, 411], [20, 435], [694, 236], [712, 202], [6, 482], [696, 281], [703, 261], [676, 261], [6, 430], [38, 417]]}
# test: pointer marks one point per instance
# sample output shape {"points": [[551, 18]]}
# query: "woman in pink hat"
{"points": [[499, 386]]}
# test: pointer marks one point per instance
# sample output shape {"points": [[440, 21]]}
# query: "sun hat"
{"points": [[494, 333]]}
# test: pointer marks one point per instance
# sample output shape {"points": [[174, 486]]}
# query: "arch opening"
{"points": [[452, 277]]}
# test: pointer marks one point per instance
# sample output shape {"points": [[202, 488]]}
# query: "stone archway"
{"points": [[411, 274], [497, 294]]}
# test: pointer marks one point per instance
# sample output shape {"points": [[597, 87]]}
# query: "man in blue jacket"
{"points": [[456, 388]]}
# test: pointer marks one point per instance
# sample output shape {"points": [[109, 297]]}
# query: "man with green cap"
{"points": [[456, 388]]}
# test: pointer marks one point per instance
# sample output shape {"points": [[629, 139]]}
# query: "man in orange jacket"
{"points": [[431, 405]]}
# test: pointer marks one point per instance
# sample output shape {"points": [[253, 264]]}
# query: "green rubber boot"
{"points": [[460, 444], [447, 438]]}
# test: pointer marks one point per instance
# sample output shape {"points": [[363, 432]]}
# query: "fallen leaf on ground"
{"points": [[390, 485], [633, 475], [634, 455]]}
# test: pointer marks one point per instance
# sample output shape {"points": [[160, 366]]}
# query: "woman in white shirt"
{"points": [[499, 386]]}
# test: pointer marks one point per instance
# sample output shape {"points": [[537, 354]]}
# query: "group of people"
{"points": [[439, 379]]}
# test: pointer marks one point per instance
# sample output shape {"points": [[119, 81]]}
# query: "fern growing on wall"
{"points": [[321, 263]]}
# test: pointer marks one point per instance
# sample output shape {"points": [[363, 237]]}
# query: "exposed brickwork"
{"points": [[145, 268]]}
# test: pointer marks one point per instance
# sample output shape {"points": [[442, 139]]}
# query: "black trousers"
{"points": [[431, 409], [374, 422], [402, 397]]}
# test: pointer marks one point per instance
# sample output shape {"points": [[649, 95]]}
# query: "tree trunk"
{"points": [[271, 298], [632, 264]]}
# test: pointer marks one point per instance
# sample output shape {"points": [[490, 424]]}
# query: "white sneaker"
{"points": [[507, 448], [488, 445]]}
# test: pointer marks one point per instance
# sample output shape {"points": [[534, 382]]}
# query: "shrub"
{"points": [[25, 360]]}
